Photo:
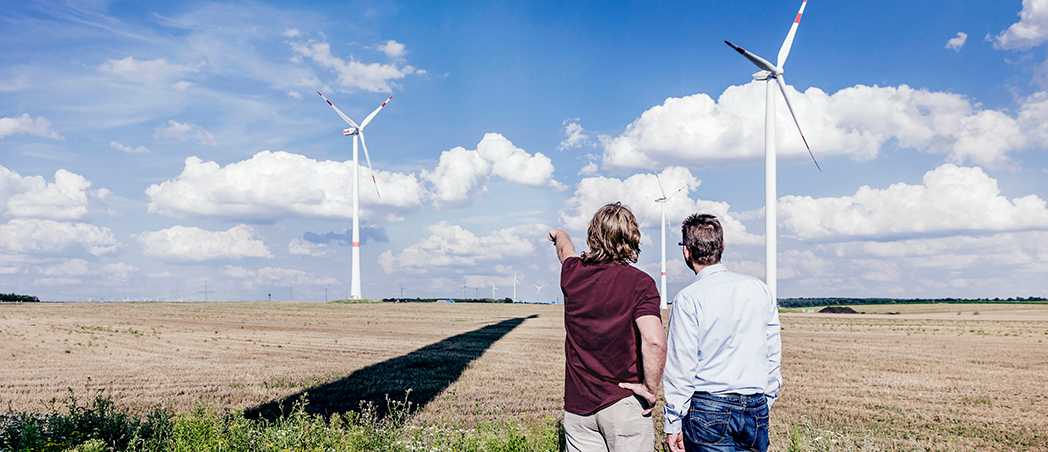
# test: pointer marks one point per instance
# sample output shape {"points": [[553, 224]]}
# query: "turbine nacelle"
{"points": [[353, 131]]}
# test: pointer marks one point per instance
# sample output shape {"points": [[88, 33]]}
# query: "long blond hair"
{"points": [[613, 235]]}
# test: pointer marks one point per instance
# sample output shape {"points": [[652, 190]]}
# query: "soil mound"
{"points": [[837, 310]]}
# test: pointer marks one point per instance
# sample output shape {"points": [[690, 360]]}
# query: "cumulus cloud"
{"points": [[274, 276], [192, 244], [952, 200], [275, 185], [962, 265], [374, 77], [120, 271], [37, 237], [461, 174], [65, 199], [25, 124], [958, 42], [858, 121], [450, 247], [391, 48], [306, 248], [640, 191], [177, 130], [145, 70], [1031, 30], [128, 149], [574, 136]]}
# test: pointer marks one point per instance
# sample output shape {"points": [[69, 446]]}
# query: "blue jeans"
{"points": [[726, 423]]}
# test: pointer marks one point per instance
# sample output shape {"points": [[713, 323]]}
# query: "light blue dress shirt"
{"points": [[723, 338]]}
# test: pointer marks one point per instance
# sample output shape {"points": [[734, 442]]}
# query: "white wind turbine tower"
{"points": [[515, 282], [662, 226], [538, 289], [773, 75], [357, 131], [493, 289]]}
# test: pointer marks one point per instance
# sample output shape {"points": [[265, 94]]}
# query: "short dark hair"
{"points": [[613, 235], [704, 238]]}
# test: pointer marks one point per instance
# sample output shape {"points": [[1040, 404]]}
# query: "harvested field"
{"points": [[928, 377]]}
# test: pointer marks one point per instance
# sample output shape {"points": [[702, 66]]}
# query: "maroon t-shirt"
{"points": [[602, 346]]}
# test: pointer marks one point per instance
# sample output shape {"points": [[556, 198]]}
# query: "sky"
{"points": [[179, 151]]}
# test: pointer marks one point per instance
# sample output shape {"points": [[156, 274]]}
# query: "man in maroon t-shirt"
{"points": [[615, 346]]}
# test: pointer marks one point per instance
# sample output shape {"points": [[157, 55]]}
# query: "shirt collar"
{"points": [[715, 268]]}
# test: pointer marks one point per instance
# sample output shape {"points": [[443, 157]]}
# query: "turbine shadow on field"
{"points": [[426, 372]]}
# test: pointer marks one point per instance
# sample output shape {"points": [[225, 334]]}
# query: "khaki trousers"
{"points": [[617, 428]]}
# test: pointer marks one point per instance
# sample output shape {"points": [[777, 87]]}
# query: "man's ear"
{"points": [[687, 258]]}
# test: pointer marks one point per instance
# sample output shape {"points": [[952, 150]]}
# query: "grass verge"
{"points": [[101, 426]]}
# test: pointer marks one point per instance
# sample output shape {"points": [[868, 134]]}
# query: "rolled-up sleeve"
{"points": [[774, 356], [682, 362]]}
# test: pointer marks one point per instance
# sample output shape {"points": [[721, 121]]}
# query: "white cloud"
{"points": [[275, 185], [639, 192], [450, 247], [952, 200], [589, 170], [34, 197], [68, 267], [181, 85], [272, 276], [1031, 30], [35, 237], [307, 248], [295, 94], [127, 149], [461, 173], [25, 124], [575, 137], [391, 48], [145, 70], [192, 244], [120, 271], [958, 42], [291, 33], [374, 77], [857, 121], [177, 130]]}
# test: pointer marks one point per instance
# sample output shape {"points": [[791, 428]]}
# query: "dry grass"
{"points": [[925, 378]]}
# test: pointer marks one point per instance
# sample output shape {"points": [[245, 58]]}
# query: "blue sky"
{"points": [[150, 150]]}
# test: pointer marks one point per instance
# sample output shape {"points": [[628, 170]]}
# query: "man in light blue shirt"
{"points": [[723, 352]]}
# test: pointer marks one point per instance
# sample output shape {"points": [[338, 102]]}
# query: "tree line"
{"points": [[836, 301], [18, 298]]}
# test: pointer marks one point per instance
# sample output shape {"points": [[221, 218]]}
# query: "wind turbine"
{"points": [[772, 74], [493, 289], [538, 289], [464, 287], [357, 131], [515, 282], [662, 226]]}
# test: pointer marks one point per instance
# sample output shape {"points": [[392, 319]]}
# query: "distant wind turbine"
{"points": [[357, 131], [464, 287], [515, 282], [538, 289], [662, 226], [493, 289], [773, 75]]}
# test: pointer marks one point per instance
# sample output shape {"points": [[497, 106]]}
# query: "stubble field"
{"points": [[921, 377]]}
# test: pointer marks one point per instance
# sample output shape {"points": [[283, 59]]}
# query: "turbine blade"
{"points": [[368, 157], [660, 183], [343, 115], [760, 62], [372, 115], [675, 193], [782, 87], [784, 51]]}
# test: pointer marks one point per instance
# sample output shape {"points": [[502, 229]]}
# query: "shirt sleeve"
{"points": [[774, 356], [682, 362], [649, 303]]}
